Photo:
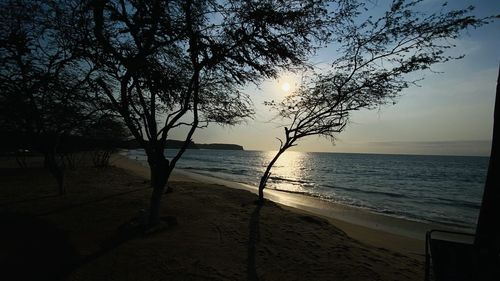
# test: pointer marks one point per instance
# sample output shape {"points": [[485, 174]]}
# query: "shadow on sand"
{"points": [[33, 199], [34, 249], [253, 239]]}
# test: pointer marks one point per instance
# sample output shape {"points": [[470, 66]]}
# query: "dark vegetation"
{"points": [[162, 63], [371, 69], [176, 144], [48, 104]]}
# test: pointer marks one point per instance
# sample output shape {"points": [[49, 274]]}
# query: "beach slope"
{"points": [[220, 233]]}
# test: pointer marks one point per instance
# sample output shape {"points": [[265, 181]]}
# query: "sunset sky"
{"points": [[451, 113]]}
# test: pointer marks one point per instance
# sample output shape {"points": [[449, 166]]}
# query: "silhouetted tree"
{"points": [[374, 57], [166, 64], [105, 135], [45, 94]]}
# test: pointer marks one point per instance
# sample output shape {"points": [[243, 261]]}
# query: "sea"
{"points": [[445, 190]]}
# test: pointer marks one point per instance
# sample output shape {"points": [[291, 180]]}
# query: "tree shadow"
{"points": [[34, 249], [5, 204], [253, 239], [89, 202], [136, 227]]}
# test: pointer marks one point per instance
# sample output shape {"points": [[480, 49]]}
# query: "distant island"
{"points": [[175, 144], [221, 146]]}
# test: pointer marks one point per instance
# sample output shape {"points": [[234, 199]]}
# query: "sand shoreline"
{"points": [[379, 230]]}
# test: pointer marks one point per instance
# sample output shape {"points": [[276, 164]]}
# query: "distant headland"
{"points": [[175, 144]]}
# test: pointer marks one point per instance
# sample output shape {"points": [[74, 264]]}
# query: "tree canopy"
{"points": [[373, 59], [161, 63], [46, 92]]}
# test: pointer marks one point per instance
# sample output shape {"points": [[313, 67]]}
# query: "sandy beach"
{"points": [[379, 230], [220, 233]]}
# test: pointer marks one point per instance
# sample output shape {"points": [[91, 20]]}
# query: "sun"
{"points": [[285, 87]]}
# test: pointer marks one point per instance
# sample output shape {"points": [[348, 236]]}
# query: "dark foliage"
{"points": [[161, 63], [46, 93], [370, 70]]}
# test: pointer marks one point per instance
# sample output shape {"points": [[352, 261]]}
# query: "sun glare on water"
{"points": [[290, 171]]}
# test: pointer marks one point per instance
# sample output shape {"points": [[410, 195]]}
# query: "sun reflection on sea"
{"points": [[289, 172]]}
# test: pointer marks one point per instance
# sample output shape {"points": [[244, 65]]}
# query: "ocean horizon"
{"points": [[442, 189]]}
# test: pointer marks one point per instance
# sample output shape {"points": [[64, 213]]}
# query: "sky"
{"points": [[450, 113]]}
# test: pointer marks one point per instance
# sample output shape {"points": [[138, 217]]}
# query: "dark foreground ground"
{"points": [[220, 234]]}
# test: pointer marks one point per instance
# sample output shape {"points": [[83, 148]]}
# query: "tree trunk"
{"points": [[267, 174], [21, 158], [160, 172], [487, 231], [56, 170]]}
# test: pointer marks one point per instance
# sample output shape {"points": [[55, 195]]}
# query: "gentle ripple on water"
{"points": [[443, 189]]}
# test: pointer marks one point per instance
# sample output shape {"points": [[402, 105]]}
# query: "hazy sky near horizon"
{"points": [[451, 113]]}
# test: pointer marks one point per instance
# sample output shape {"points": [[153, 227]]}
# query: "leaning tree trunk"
{"points": [[160, 172], [267, 173]]}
